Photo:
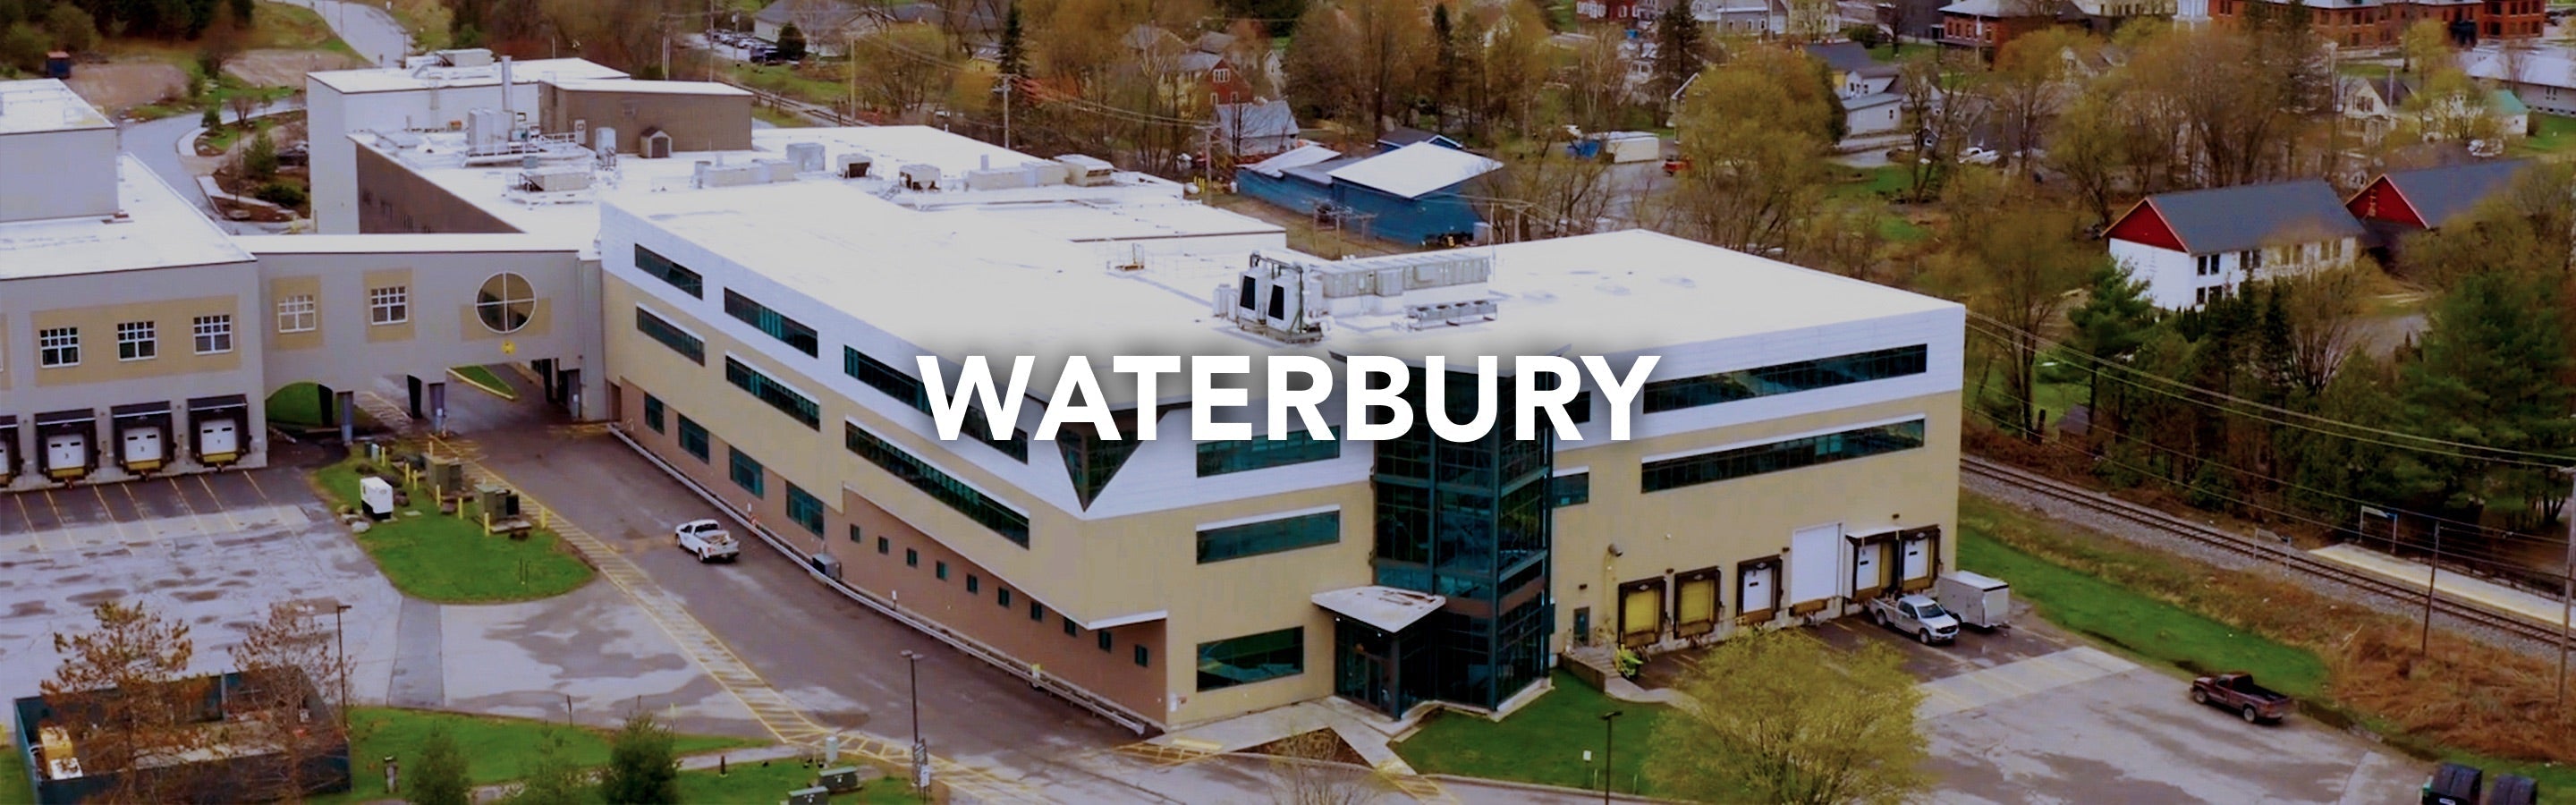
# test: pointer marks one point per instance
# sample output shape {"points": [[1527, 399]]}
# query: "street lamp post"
{"points": [[920, 748], [1608, 720], [341, 637]]}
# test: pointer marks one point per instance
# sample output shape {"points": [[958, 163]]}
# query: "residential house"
{"points": [[2381, 105], [2196, 246], [1917, 20], [1402, 136], [1742, 17], [2402, 202], [2543, 79], [1988, 25], [1255, 131], [826, 24], [1855, 73], [2104, 17], [1623, 12], [1197, 65], [1873, 114], [2377, 23]]}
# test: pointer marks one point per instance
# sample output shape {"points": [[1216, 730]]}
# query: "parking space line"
{"points": [[181, 492], [220, 508], [19, 501], [61, 523], [114, 524]]}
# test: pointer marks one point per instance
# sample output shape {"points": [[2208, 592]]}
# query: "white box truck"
{"points": [[376, 496], [1980, 601], [1623, 147]]}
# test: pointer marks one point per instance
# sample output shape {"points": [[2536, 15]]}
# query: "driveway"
{"points": [[367, 28], [2034, 715]]}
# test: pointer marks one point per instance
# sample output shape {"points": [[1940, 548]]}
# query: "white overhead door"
{"points": [[1867, 575], [66, 451], [218, 440], [142, 447], [1918, 556], [1814, 554], [1754, 592], [8, 454]]}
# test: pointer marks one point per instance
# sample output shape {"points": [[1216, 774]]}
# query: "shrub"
{"points": [[280, 194]]}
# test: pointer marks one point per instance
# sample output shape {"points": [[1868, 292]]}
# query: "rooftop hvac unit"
{"points": [[710, 174], [1000, 179], [487, 131], [808, 157], [1224, 307], [1426, 316], [852, 166], [920, 177], [1086, 171], [464, 57], [775, 170], [561, 179], [603, 141]]}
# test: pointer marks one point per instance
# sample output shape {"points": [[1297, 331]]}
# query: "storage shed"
{"points": [[1412, 195]]}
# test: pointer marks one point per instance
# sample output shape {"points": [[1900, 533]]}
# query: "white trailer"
{"points": [[1980, 601], [1631, 146], [377, 496]]}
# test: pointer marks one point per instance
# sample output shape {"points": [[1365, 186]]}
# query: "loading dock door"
{"points": [[1921, 547], [66, 454], [218, 440], [1641, 612], [1756, 593], [1695, 603], [1814, 554], [143, 448]]}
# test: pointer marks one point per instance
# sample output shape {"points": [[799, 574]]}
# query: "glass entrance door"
{"points": [[1361, 671]]}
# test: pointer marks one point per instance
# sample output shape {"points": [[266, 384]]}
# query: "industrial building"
{"points": [[739, 309]]}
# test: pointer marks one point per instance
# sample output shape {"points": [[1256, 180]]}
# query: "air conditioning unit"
{"points": [[807, 157], [852, 166], [844, 779], [826, 564], [816, 795]]}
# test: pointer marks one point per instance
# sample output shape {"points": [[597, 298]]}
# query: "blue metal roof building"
{"points": [[1413, 195]]}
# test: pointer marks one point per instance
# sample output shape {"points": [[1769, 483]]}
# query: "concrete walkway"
{"points": [[2535, 608]]}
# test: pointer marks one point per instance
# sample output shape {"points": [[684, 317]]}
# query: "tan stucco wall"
{"points": [[391, 198], [279, 288], [173, 320], [388, 278]]}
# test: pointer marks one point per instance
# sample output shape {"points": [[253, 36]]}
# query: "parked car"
{"points": [[1980, 156], [2237, 691], [1917, 615], [1676, 165], [706, 539]]}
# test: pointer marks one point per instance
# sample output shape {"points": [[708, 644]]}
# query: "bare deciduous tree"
{"points": [[1303, 771], [125, 701], [292, 677]]}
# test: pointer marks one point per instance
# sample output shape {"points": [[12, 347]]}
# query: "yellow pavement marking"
{"points": [[105, 511], [151, 532], [220, 508], [33, 533], [778, 714], [182, 493], [60, 523], [1423, 789]]}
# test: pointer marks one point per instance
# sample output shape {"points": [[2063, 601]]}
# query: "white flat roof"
{"points": [[45, 104], [1387, 608], [653, 87], [161, 230], [396, 79], [1091, 223], [401, 243], [1415, 169]]}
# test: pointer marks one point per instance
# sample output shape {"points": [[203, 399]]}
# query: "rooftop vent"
{"points": [[808, 157]]}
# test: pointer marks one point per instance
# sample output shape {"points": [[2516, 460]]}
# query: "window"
{"points": [[854, 534], [1219, 458], [2249, 260], [1569, 490], [1252, 658], [908, 390], [941, 487], [653, 413], [1269, 536], [1004, 596], [693, 437], [1037, 612], [295, 313], [1070, 629], [973, 584], [59, 346], [885, 546], [2205, 265], [1104, 640], [1674, 473], [745, 472], [390, 305], [135, 341], [805, 510], [676, 275], [1711, 389], [505, 303], [680, 341], [786, 400], [214, 334], [788, 331], [911, 557], [941, 570], [1141, 657]]}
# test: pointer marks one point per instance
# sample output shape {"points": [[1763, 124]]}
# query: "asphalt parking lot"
{"points": [[2032, 714]]}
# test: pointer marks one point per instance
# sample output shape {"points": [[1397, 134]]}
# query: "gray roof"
{"points": [[2227, 219], [822, 15], [1850, 57], [1322, 172], [1264, 119], [2440, 194]]}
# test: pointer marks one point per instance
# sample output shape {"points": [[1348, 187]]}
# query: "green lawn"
{"points": [[482, 377], [756, 783], [2550, 134], [1542, 743], [297, 403], [787, 81], [495, 749], [780, 118], [15, 787], [2123, 617], [450, 560]]}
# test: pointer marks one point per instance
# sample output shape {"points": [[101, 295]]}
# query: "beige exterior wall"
{"points": [[388, 278], [172, 320], [1722, 524], [392, 198], [281, 288]]}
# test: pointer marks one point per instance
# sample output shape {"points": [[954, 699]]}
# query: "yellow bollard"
{"points": [[487, 524]]}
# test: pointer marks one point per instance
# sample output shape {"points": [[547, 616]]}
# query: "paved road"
{"points": [[157, 142], [366, 27]]}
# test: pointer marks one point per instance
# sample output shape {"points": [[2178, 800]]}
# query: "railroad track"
{"points": [[2297, 561]]}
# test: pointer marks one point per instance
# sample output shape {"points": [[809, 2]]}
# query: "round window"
{"points": [[505, 303]]}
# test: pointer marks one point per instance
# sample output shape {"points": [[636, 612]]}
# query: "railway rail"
{"points": [[2292, 559]]}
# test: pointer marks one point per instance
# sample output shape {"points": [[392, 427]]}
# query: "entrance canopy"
{"points": [[1387, 608]]}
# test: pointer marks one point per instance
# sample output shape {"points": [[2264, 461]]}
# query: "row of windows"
{"points": [[788, 331], [1251, 658], [940, 486], [1269, 536], [1573, 489], [1723, 465], [909, 391], [746, 472], [805, 509], [654, 327], [1219, 458], [1721, 387], [135, 340], [391, 304], [662, 268], [777, 396], [1141, 655]]}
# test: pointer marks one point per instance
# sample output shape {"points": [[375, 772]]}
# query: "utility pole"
{"points": [[1609, 721], [2567, 597], [342, 638], [920, 748], [2435, 574], [1007, 81]]}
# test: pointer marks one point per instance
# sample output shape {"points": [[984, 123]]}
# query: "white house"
{"points": [[2196, 246], [2543, 78]]}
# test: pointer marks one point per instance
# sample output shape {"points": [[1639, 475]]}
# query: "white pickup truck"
{"points": [[707, 539], [1917, 615]]}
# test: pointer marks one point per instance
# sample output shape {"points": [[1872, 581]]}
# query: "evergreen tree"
{"points": [[1013, 61], [1679, 49], [642, 769], [437, 776], [2489, 376], [2111, 325], [1444, 65], [552, 779], [791, 43]]}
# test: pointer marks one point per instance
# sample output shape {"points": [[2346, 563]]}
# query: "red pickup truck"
{"points": [[2237, 691]]}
